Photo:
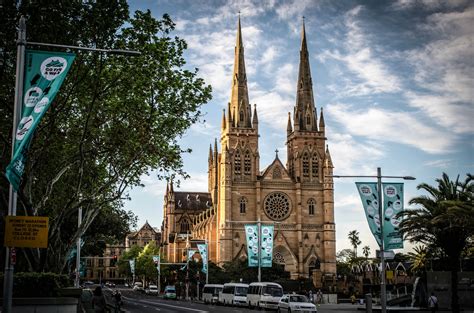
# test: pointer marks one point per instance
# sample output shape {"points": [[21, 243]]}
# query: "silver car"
{"points": [[296, 303]]}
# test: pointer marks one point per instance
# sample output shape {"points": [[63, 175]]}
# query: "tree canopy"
{"points": [[115, 118]]}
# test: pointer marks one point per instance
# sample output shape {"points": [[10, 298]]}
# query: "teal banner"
{"points": [[44, 75], [203, 251], [132, 266], [267, 246], [251, 234], [190, 254], [368, 194], [156, 260], [393, 204]]}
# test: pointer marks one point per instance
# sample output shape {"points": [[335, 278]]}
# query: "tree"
{"points": [[115, 118], [366, 251], [443, 219], [354, 239]]}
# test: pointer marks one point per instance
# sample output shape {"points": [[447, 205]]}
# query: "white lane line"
{"points": [[172, 306]]}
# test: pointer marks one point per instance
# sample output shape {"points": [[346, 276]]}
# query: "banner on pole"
{"points": [[44, 75], [251, 234], [266, 252], [190, 254], [132, 266], [393, 204], [156, 260], [203, 251], [369, 196]]}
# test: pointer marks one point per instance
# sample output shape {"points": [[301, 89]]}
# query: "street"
{"points": [[135, 302]]}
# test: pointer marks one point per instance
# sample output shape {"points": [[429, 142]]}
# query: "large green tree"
{"points": [[443, 219], [116, 117]]}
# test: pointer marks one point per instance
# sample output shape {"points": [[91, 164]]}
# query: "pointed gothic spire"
{"points": [[305, 112], [328, 162], [171, 187], [167, 189], [289, 129], [215, 149], [255, 117], [240, 100], [210, 153], [223, 124], [322, 125]]}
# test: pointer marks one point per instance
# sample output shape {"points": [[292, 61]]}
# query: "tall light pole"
{"points": [[383, 287]]}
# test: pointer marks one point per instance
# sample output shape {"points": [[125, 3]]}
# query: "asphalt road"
{"points": [[136, 302]]}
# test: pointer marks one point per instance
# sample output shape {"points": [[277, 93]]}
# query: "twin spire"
{"points": [[239, 112]]}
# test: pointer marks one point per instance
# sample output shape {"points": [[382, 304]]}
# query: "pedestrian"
{"points": [[319, 297], [311, 296], [353, 299], [433, 302], [98, 301], [118, 300]]}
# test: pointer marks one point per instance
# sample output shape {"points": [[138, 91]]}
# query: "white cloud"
{"points": [[444, 68], [442, 164], [392, 126]]}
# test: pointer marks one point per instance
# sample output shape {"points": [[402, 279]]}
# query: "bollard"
{"points": [[368, 303]]}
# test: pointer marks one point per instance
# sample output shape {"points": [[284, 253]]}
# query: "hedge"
{"points": [[27, 285]]}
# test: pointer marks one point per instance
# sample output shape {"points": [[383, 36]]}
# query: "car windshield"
{"points": [[240, 291], [170, 289], [298, 299], [273, 291], [153, 287]]}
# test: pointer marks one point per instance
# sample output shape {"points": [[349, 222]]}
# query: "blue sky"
{"points": [[395, 79]]}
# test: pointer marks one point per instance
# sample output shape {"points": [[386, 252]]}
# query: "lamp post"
{"points": [[383, 287]]}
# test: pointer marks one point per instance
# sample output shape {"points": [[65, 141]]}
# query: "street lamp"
{"points": [[383, 287]]}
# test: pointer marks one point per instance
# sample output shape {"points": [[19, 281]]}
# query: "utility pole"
{"points": [[383, 287], [259, 226]]}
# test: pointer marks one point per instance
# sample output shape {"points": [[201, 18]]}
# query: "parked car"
{"points": [[88, 283], [170, 292], [110, 284], [138, 286], [295, 303], [264, 295], [152, 290]]}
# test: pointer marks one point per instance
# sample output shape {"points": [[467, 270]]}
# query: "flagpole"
{"points": [[20, 72], [259, 226]]}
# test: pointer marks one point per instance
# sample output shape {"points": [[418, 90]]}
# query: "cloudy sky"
{"points": [[395, 79]]}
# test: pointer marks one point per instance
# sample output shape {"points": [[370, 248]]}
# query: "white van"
{"points": [[210, 293], [264, 295], [234, 294]]}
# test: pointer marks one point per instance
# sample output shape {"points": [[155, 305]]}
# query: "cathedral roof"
{"points": [[276, 170], [195, 201]]}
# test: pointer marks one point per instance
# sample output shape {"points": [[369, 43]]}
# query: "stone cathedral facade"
{"points": [[296, 195]]}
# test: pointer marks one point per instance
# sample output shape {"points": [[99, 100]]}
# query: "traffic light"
{"points": [[113, 261]]}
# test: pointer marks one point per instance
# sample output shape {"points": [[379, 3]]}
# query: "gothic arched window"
{"points": [[315, 166], [311, 205], [184, 226], [237, 163], [241, 116], [243, 205], [308, 119], [305, 165], [247, 163]]}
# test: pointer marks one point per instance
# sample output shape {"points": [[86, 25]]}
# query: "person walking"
{"points": [[433, 303], [98, 301], [319, 297]]}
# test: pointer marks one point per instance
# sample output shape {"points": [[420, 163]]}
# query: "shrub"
{"points": [[37, 284]]}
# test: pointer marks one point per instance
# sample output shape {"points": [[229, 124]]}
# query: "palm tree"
{"points": [[354, 239], [366, 251], [443, 219], [419, 260]]}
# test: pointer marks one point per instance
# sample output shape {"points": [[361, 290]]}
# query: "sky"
{"points": [[395, 79]]}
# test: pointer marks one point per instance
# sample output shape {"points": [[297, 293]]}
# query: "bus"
{"points": [[234, 294], [210, 293], [264, 295]]}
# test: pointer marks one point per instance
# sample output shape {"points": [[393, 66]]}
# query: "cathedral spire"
{"points": [[322, 125], [255, 117], [223, 124], [210, 155], [289, 129], [305, 112], [240, 100]]}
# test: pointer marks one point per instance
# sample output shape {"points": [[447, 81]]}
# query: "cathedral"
{"points": [[296, 197]]}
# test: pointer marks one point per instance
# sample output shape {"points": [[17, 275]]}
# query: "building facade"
{"points": [[104, 268], [296, 196]]}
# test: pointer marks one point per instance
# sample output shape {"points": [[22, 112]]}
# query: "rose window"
{"points": [[277, 206]]}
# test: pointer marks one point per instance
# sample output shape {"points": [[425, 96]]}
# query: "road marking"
{"points": [[171, 306]]}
